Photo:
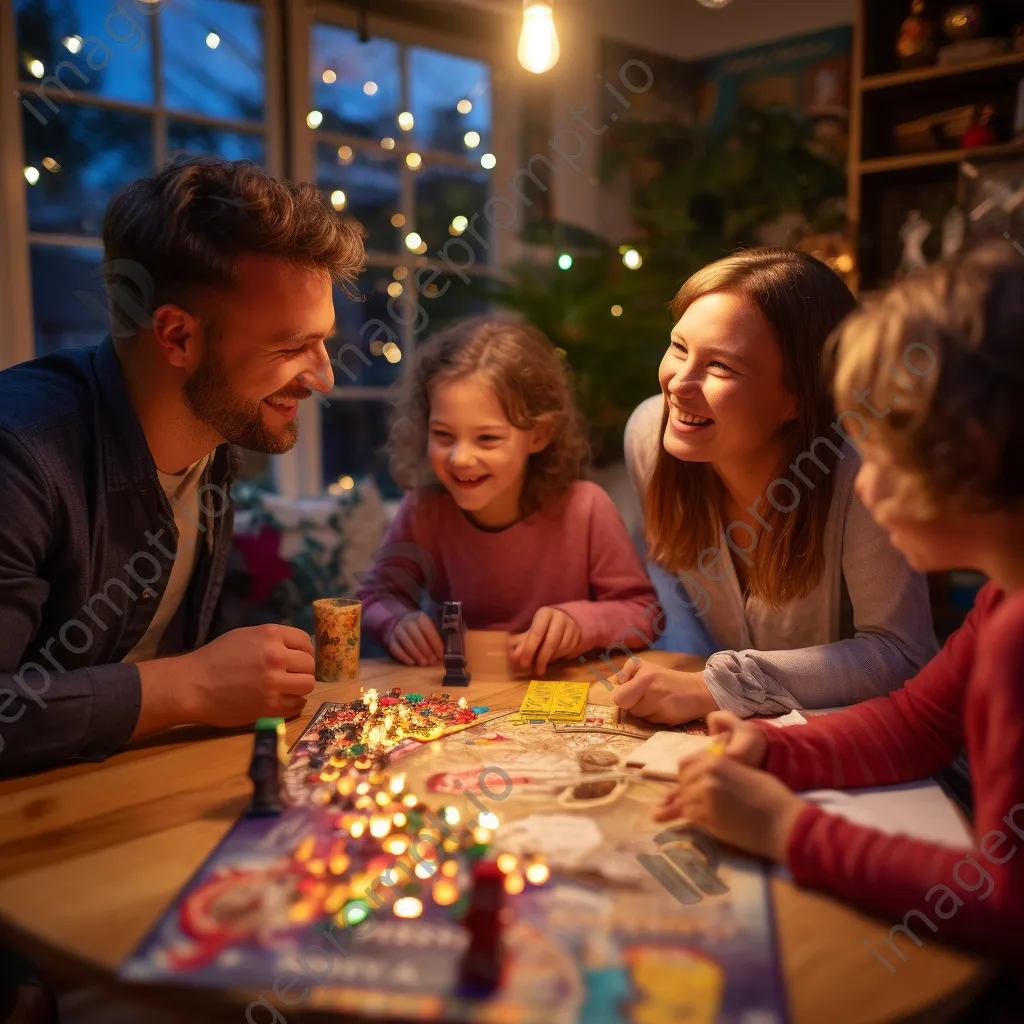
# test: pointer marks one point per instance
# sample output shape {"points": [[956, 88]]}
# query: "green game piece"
{"points": [[268, 724], [414, 698], [358, 748]]}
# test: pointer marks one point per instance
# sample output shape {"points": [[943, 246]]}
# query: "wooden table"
{"points": [[92, 854]]}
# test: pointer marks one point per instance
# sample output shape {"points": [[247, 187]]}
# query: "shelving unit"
{"points": [[885, 184]]}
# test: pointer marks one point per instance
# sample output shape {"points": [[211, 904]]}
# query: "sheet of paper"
{"points": [[793, 718], [659, 756], [918, 809]]}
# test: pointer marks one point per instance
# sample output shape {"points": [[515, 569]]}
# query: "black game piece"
{"points": [[453, 631], [481, 968], [265, 768]]}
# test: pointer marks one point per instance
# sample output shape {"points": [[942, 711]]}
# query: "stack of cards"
{"points": [[554, 702]]}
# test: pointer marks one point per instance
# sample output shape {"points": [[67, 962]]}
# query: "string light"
{"points": [[213, 40], [387, 142], [459, 224], [31, 175], [370, 88], [413, 160], [408, 906], [346, 483], [464, 106], [338, 199], [36, 68], [538, 43], [399, 273], [72, 43], [398, 220], [395, 289], [471, 139], [314, 119], [412, 240], [329, 76], [50, 164], [392, 353], [405, 121], [616, 310], [564, 261], [345, 154], [487, 161], [632, 260]]}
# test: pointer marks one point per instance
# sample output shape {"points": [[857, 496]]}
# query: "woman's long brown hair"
{"points": [[802, 301]]}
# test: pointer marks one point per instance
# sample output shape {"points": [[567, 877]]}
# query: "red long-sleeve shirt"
{"points": [[575, 555], [971, 693]]}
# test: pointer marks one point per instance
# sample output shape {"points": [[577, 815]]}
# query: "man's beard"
{"points": [[238, 420]]}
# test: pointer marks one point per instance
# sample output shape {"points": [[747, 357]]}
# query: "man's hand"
{"points": [[662, 694], [743, 741], [415, 640], [553, 634], [740, 805], [249, 673]]}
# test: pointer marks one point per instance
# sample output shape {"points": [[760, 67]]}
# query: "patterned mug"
{"points": [[336, 622]]}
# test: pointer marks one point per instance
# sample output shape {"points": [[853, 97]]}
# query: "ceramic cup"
{"points": [[336, 622]]}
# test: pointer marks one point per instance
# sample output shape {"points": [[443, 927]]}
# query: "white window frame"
{"points": [[300, 472]]}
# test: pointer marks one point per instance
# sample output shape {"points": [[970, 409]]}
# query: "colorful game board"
{"points": [[635, 923]]}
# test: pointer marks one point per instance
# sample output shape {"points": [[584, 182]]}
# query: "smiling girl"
{"points": [[487, 439], [746, 477]]}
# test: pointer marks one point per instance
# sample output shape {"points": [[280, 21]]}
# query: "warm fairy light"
{"points": [[450, 844], [339, 863], [616, 310], [370, 88], [413, 160], [632, 260], [314, 119], [564, 261], [397, 783], [36, 68], [405, 121], [392, 353], [425, 869], [364, 802], [338, 199], [362, 788], [380, 826], [398, 220], [481, 835], [400, 273], [329, 77], [346, 483], [410, 800], [514, 883], [459, 224], [356, 829], [305, 850], [487, 161], [537, 873], [397, 845], [471, 139], [50, 164], [72, 43], [844, 263], [451, 815], [464, 106], [420, 250], [412, 240], [213, 40], [407, 906], [346, 785], [317, 866], [355, 913], [387, 142], [399, 819], [395, 289], [450, 868], [383, 799], [488, 820], [445, 893], [345, 154], [507, 862], [538, 42]]}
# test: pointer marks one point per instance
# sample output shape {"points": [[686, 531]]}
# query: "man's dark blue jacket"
{"points": [[87, 541]]}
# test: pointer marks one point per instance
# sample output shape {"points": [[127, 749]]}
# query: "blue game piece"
{"points": [[480, 711]]}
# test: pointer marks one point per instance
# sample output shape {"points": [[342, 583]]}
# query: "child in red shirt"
{"points": [[940, 358], [487, 439]]}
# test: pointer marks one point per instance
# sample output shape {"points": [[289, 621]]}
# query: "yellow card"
{"points": [[538, 700], [570, 701]]}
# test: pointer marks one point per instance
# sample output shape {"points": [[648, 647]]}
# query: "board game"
{"points": [[607, 918]]}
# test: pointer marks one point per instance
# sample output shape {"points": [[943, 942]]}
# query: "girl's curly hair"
{"points": [[532, 383]]}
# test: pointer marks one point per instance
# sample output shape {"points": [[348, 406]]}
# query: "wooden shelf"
{"points": [[897, 78], [942, 156]]}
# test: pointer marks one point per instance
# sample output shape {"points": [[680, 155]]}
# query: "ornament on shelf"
{"points": [[915, 45], [980, 132], [954, 227], [962, 22], [914, 231]]}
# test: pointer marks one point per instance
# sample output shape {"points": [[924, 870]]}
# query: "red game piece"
{"points": [[481, 968]]}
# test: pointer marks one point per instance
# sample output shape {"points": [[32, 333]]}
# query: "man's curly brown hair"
{"points": [[532, 383]]}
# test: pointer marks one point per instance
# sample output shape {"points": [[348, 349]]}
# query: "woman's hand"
{"points": [[740, 805], [662, 694], [415, 640], [553, 634]]}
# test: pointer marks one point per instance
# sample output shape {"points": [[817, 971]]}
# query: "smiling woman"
{"points": [[746, 479]]}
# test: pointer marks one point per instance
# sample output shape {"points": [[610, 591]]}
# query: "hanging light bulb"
{"points": [[538, 43]]}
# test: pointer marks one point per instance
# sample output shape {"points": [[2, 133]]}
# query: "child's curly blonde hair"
{"points": [[940, 359], [532, 383]]}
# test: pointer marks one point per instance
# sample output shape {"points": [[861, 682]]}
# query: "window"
{"points": [[107, 92], [401, 138]]}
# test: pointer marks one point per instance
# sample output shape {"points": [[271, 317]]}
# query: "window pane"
{"points": [[78, 162], [366, 344], [444, 193], [438, 84], [370, 187], [68, 298], [201, 138], [354, 435], [213, 58], [446, 297], [362, 90], [104, 46]]}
